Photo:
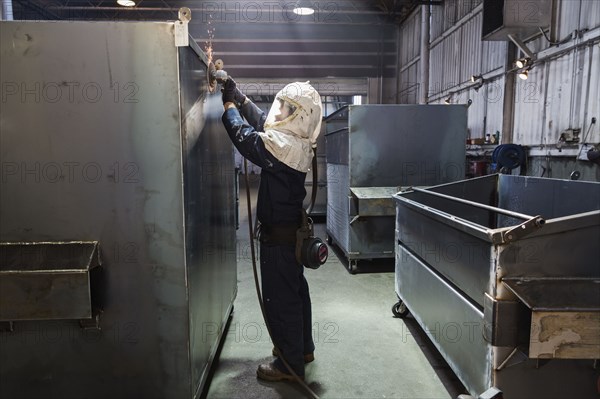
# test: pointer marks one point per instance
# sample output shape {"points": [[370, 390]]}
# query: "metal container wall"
{"points": [[108, 134], [385, 147], [455, 254]]}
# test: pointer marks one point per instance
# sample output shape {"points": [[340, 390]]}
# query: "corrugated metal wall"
{"points": [[457, 53], [563, 88], [577, 14], [562, 91], [409, 57]]}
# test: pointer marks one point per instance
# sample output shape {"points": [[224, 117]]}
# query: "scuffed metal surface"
{"points": [[158, 196], [374, 201], [47, 280], [565, 335], [427, 226], [388, 146]]}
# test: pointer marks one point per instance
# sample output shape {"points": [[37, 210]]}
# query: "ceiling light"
{"points": [[524, 74], [522, 62], [126, 3], [303, 10], [475, 78], [447, 101]]}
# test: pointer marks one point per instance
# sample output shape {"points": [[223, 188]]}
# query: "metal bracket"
{"points": [[501, 321], [93, 323], [492, 393], [541, 362], [185, 14], [181, 27], [522, 46], [523, 229], [515, 357]]}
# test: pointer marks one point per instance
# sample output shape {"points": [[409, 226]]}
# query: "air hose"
{"points": [[258, 291]]}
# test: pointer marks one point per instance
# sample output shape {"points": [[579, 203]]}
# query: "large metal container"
{"points": [[502, 273], [372, 150], [117, 211]]}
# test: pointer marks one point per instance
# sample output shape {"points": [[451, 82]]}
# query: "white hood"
{"points": [[292, 140]]}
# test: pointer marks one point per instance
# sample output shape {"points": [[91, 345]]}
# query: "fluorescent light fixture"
{"points": [[475, 78], [126, 3], [357, 100], [303, 10], [447, 101]]}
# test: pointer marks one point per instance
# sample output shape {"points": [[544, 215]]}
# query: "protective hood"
{"points": [[292, 139]]}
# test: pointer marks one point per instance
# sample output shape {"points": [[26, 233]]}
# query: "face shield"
{"points": [[296, 111], [280, 111], [293, 125]]}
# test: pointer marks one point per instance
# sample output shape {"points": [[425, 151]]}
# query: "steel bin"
{"points": [[110, 136], [372, 150], [502, 273]]}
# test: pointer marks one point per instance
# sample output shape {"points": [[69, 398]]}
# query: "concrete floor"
{"points": [[362, 351]]}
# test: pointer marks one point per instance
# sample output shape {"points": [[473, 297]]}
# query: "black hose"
{"points": [[313, 194], [258, 291]]}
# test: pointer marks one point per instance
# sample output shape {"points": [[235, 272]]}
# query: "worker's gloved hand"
{"points": [[228, 92], [232, 93]]}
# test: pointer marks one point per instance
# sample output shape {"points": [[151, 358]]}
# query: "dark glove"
{"points": [[228, 91], [231, 93]]}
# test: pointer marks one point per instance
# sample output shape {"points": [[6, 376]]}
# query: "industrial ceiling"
{"points": [[262, 39]]}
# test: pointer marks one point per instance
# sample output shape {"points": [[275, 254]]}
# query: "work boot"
{"points": [[269, 372], [309, 357]]}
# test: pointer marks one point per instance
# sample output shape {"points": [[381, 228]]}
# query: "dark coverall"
{"points": [[281, 193]]}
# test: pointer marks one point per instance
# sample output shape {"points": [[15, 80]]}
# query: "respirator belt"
{"points": [[278, 234]]}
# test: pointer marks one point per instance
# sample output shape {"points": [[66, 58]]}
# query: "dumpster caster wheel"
{"points": [[352, 266], [400, 310]]}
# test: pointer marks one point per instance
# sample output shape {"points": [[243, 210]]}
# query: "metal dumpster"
{"points": [[372, 150], [503, 274], [117, 212]]}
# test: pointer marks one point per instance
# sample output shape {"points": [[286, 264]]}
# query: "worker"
{"points": [[281, 143]]}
